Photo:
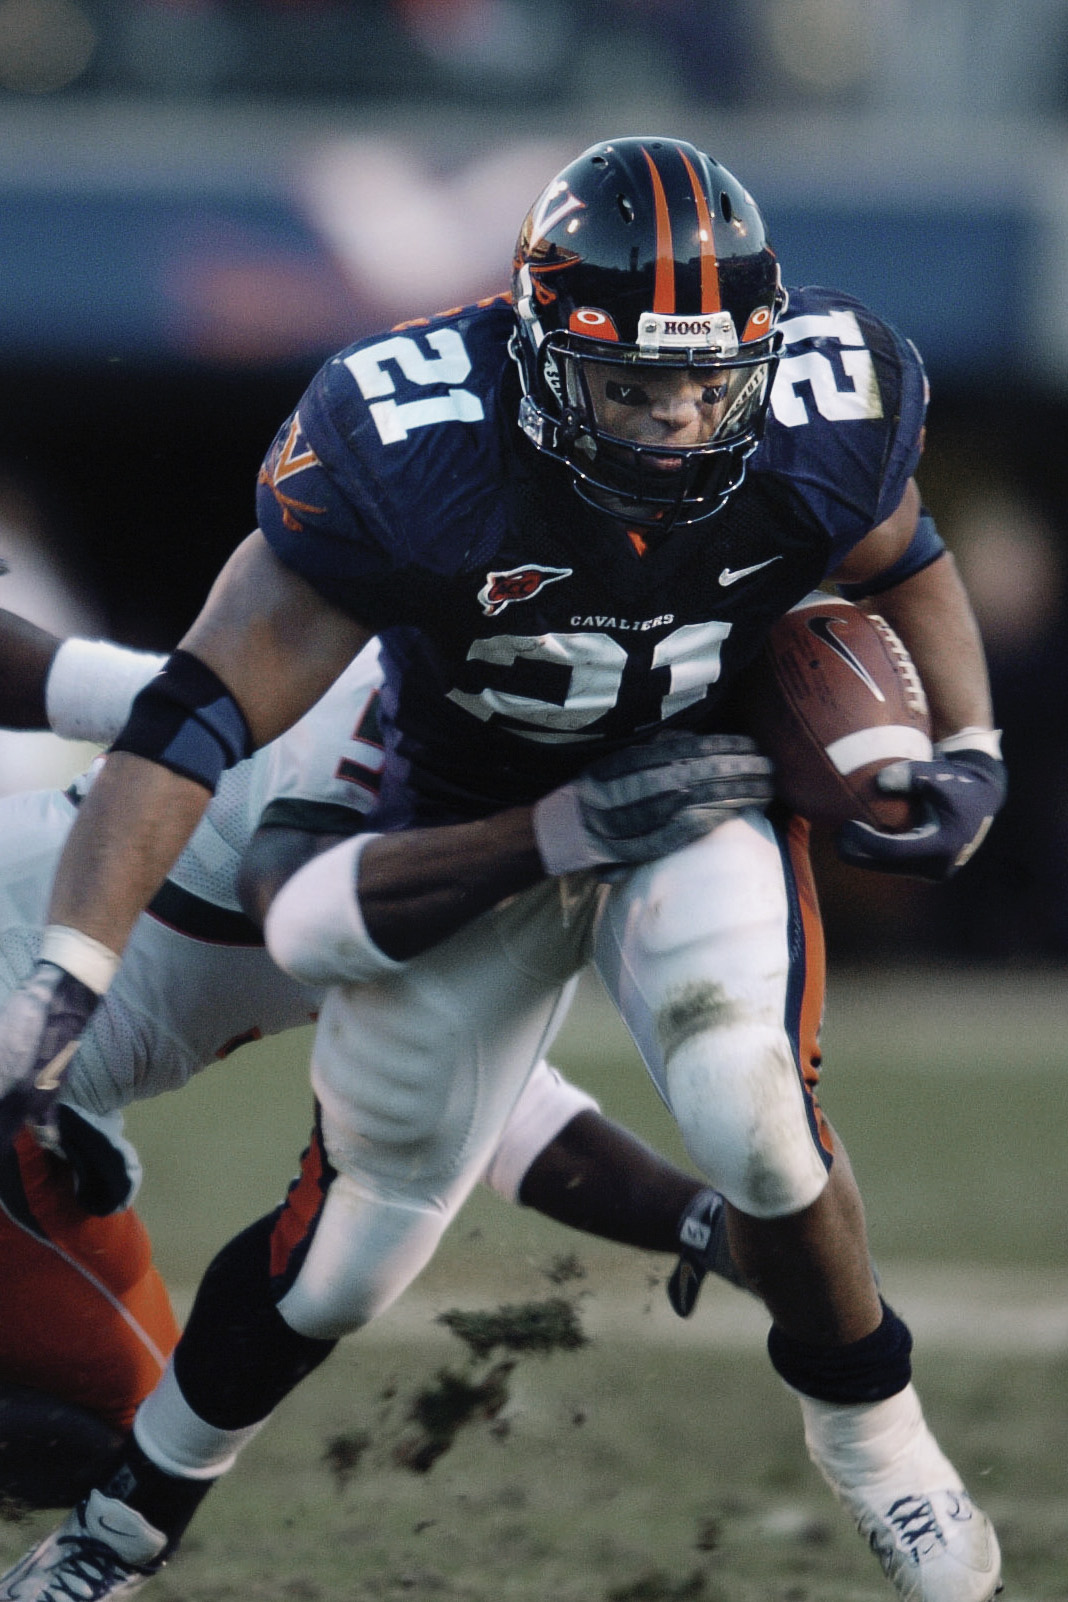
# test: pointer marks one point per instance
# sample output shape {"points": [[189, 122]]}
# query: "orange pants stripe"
{"points": [[810, 1003]]}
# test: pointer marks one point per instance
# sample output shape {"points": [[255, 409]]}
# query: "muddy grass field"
{"points": [[531, 1422]]}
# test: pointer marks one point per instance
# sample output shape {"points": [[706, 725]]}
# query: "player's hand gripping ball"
{"points": [[957, 794], [834, 701], [837, 703]]}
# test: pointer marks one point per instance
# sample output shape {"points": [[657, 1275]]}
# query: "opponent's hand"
{"points": [[645, 801], [39, 1032], [958, 796]]}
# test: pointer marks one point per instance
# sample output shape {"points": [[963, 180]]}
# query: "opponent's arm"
{"points": [[26, 655], [265, 647], [275, 646], [272, 856], [362, 907], [960, 792], [409, 890], [81, 689]]}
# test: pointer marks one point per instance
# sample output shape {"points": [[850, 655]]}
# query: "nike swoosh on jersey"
{"points": [[52, 1073], [731, 575]]}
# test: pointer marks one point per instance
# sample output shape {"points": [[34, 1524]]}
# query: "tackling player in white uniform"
{"points": [[89, 1324]]}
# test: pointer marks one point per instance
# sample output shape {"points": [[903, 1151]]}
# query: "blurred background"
{"points": [[200, 199]]}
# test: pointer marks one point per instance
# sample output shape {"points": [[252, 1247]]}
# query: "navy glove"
{"points": [[958, 794], [39, 1032], [106, 1168]]}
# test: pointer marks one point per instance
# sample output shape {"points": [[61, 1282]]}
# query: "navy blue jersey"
{"points": [[523, 633]]}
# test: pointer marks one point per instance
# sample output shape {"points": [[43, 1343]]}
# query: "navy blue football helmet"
{"points": [[641, 257]]}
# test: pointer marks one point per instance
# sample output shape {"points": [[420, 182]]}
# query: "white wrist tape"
{"points": [[91, 686], [973, 738], [314, 928], [87, 959]]}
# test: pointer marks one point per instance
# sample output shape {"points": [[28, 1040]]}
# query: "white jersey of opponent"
{"points": [[182, 1000], [195, 982], [324, 759]]}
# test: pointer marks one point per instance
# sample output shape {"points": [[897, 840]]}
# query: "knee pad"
{"points": [[744, 1116]]}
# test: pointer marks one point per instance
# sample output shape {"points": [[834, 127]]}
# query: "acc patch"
{"points": [[517, 584]]}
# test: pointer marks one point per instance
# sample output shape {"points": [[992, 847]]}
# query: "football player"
{"points": [[570, 515], [88, 1324]]}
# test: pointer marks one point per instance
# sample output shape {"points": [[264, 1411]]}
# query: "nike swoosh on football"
{"points": [[732, 575]]}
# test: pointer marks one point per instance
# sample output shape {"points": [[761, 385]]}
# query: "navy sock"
{"points": [[237, 1377], [167, 1501], [868, 1370]]}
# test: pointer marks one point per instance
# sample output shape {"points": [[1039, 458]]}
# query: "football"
{"points": [[834, 699]]}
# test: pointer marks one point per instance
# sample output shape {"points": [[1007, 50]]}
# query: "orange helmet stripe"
{"points": [[710, 301], [664, 281]]}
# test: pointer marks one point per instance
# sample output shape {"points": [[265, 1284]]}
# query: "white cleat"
{"points": [[937, 1547], [103, 1549], [886, 1468]]}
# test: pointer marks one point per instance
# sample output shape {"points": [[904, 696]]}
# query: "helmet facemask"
{"points": [[614, 417]]}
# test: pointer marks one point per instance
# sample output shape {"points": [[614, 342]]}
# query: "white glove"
{"points": [[42, 1022], [645, 801]]}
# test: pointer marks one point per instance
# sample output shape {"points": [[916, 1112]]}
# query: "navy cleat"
{"points": [[103, 1549], [703, 1249]]}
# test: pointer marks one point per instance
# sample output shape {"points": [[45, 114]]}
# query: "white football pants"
{"points": [[714, 957]]}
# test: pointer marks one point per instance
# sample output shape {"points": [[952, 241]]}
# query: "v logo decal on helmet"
{"points": [[556, 204]]}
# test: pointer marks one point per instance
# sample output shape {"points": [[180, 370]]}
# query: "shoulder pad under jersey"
{"points": [[394, 454], [845, 424]]}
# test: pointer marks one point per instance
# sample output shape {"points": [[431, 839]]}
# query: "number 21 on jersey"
{"points": [[818, 369], [595, 664], [449, 365]]}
